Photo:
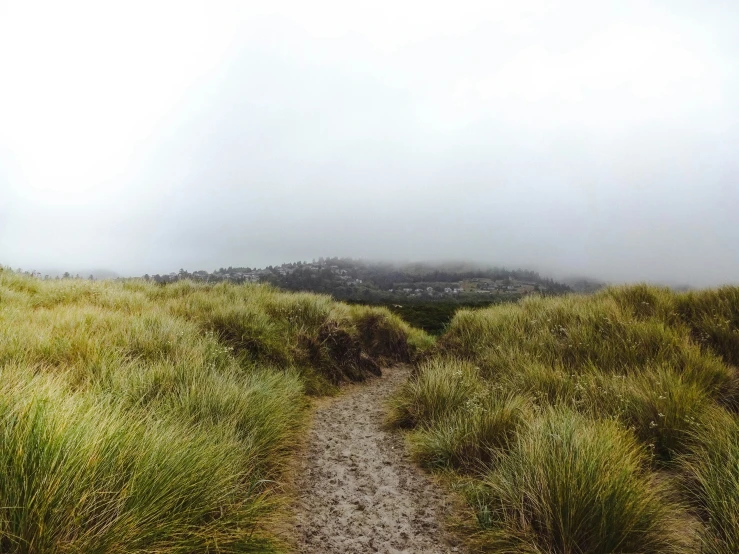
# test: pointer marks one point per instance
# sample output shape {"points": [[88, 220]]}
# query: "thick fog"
{"points": [[576, 137]]}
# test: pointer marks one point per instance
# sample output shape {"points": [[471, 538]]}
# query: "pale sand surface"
{"points": [[357, 489]]}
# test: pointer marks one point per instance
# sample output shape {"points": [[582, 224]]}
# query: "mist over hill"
{"points": [[576, 137], [351, 279], [96, 274]]}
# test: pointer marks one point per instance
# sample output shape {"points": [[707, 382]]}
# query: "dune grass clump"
{"points": [[548, 408], [578, 333], [438, 388], [81, 474], [326, 341], [712, 479], [471, 438], [712, 315], [570, 484], [661, 406], [458, 422], [145, 418]]}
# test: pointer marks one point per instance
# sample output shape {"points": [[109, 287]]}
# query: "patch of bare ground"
{"points": [[357, 489]]}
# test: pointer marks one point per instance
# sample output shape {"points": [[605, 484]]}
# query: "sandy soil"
{"points": [[357, 489]]}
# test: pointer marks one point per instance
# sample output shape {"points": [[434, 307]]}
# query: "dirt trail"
{"points": [[357, 489]]}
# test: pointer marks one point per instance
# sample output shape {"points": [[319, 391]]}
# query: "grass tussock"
{"points": [[439, 388], [603, 423], [472, 437], [458, 422], [141, 418], [712, 479], [570, 484]]}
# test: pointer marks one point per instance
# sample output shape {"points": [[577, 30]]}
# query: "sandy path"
{"points": [[357, 489]]}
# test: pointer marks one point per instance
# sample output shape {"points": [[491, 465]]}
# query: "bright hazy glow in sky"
{"points": [[573, 137]]}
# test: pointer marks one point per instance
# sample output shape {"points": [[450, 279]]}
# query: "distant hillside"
{"points": [[349, 279]]}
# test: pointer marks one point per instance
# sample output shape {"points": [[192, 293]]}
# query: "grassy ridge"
{"points": [[604, 423], [140, 418]]}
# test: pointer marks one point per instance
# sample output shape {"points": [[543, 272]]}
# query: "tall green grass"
{"points": [[571, 484], [82, 474], [712, 479], [141, 418], [575, 422]]}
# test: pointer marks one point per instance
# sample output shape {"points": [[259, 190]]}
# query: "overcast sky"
{"points": [[577, 137]]}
